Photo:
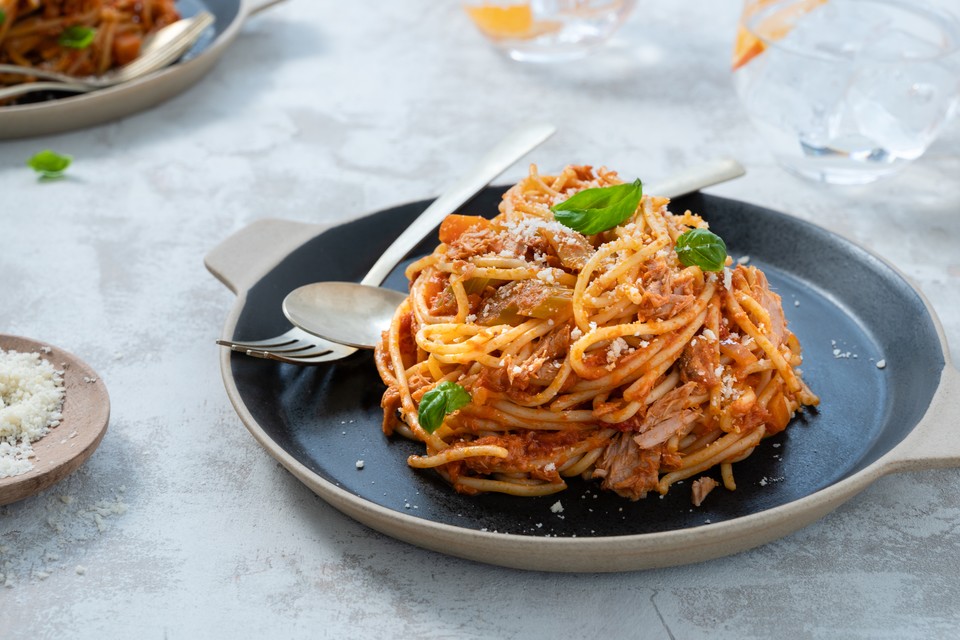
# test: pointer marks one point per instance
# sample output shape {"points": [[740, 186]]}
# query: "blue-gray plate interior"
{"points": [[848, 309]]}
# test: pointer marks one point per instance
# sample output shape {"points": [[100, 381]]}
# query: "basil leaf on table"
{"points": [[77, 37], [436, 404], [49, 164], [594, 210], [702, 248]]}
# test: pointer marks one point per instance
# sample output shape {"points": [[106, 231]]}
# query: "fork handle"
{"points": [[244, 257]]}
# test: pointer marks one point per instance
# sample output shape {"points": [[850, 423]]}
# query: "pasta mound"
{"points": [[598, 356]]}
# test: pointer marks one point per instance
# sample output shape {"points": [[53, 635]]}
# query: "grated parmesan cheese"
{"points": [[529, 228], [617, 348], [31, 398], [547, 275]]}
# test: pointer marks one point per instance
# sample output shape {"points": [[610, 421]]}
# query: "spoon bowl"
{"points": [[343, 312]]}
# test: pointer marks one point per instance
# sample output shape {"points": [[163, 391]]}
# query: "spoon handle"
{"points": [[498, 160], [697, 177]]}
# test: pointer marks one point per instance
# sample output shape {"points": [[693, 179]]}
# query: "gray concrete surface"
{"points": [[181, 526]]}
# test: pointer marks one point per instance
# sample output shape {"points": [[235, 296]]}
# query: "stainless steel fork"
{"points": [[296, 346], [299, 347]]}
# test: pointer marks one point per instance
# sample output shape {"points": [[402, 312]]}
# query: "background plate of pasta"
{"points": [[594, 400], [92, 37]]}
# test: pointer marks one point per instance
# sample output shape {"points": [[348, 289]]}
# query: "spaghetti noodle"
{"points": [[42, 33], [598, 356]]}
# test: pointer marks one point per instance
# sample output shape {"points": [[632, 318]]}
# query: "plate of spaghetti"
{"points": [[93, 37], [597, 400]]}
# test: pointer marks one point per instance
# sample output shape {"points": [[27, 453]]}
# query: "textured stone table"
{"points": [[181, 526]]}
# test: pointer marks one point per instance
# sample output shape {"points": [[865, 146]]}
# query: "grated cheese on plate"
{"points": [[31, 398]]}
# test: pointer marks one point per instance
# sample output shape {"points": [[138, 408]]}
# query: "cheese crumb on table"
{"points": [[31, 398]]}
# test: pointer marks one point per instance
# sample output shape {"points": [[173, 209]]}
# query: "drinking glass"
{"points": [[547, 30], [847, 91]]}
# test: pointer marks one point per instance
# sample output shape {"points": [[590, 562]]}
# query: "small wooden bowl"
{"points": [[86, 412]]}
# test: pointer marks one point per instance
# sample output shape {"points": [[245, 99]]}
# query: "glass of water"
{"points": [[847, 91], [547, 30]]}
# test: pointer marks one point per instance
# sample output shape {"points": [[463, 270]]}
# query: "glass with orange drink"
{"points": [[547, 30]]}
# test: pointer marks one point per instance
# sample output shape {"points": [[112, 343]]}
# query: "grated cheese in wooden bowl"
{"points": [[31, 399]]}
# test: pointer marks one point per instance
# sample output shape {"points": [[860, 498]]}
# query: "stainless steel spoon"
{"points": [[355, 314]]}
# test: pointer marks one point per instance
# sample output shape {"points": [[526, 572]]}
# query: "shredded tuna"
{"points": [[391, 404], [627, 469], [671, 404], [528, 452], [661, 293], [572, 248], [677, 424], [535, 368], [700, 488], [476, 242], [698, 363]]}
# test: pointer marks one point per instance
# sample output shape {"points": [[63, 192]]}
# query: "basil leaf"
{"points": [[436, 404], [77, 37], [3, 17], [594, 210], [49, 164], [702, 248]]}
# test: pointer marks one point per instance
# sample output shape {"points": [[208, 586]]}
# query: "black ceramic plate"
{"points": [[848, 309]]}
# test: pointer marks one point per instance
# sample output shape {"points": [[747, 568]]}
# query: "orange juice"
{"points": [[539, 31]]}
